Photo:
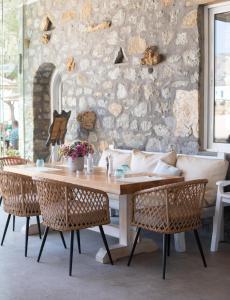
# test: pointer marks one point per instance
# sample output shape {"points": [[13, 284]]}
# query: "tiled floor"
{"points": [[25, 279]]}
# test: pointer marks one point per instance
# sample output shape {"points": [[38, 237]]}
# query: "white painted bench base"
{"points": [[223, 199]]}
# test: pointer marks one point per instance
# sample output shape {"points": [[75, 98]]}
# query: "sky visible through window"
{"points": [[222, 37]]}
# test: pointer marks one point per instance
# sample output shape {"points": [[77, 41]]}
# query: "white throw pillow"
{"points": [[165, 169], [119, 158], [144, 162], [203, 168]]}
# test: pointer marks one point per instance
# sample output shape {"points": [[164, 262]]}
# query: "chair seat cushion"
{"points": [[21, 209], [155, 219], [56, 218]]}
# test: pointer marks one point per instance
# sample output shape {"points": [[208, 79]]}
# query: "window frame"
{"points": [[209, 77]]}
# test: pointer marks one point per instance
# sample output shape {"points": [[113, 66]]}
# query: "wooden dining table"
{"points": [[119, 190]]}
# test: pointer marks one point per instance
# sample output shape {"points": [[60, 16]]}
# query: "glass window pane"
{"points": [[222, 78], [10, 86]]}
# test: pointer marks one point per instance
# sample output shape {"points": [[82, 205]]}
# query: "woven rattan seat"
{"points": [[65, 206], [12, 160], [68, 207], [20, 199], [9, 161], [76, 220], [146, 218], [169, 209]]}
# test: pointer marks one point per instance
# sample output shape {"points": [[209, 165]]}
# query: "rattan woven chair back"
{"points": [[9, 161], [171, 208], [67, 207], [12, 160], [19, 195]]}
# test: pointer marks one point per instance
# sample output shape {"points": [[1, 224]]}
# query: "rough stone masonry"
{"points": [[154, 109]]}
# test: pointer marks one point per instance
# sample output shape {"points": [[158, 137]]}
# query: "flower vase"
{"points": [[76, 164]]}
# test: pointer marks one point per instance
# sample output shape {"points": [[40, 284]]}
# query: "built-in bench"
{"points": [[213, 168]]}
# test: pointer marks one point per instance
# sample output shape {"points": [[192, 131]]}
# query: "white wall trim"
{"points": [[208, 114], [56, 91], [217, 4]]}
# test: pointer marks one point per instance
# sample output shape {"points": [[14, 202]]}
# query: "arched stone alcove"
{"points": [[42, 109]]}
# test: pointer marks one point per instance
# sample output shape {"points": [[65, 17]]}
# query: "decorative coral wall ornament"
{"points": [[70, 65], [46, 38], [120, 57], [58, 128], [97, 27], [87, 120], [68, 16], [46, 24], [151, 56]]}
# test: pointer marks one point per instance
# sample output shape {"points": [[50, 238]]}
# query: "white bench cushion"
{"points": [[119, 158], [144, 162], [199, 167]]}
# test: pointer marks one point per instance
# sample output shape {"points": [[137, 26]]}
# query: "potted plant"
{"points": [[75, 154]]}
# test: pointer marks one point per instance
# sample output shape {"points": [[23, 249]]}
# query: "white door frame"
{"points": [[56, 92], [209, 63]]}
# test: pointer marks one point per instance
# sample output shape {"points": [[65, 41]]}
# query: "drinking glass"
{"points": [[125, 168], [119, 173], [40, 163]]}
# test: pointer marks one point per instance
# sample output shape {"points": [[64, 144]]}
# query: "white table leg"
{"points": [[179, 241], [33, 229], [217, 220], [126, 237]]}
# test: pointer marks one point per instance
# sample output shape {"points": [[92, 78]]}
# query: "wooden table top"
{"points": [[100, 181]]}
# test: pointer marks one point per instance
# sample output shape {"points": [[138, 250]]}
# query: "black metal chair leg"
{"points": [[39, 227], [0, 200], [6, 227], [134, 246], [169, 244], [43, 243], [78, 241], [27, 235], [200, 247], [71, 253], [13, 223], [63, 239], [165, 242], [106, 244]]}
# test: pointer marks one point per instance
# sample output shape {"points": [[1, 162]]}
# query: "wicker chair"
{"points": [[67, 207], [19, 199], [12, 160], [169, 209], [9, 161]]}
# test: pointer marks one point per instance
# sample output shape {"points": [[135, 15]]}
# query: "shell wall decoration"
{"points": [[70, 65], [151, 56], [46, 24]]}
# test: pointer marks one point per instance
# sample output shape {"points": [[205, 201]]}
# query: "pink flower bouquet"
{"points": [[76, 149]]}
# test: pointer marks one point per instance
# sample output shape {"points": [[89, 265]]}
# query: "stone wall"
{"points": [[137, 107], [41, 109]]}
